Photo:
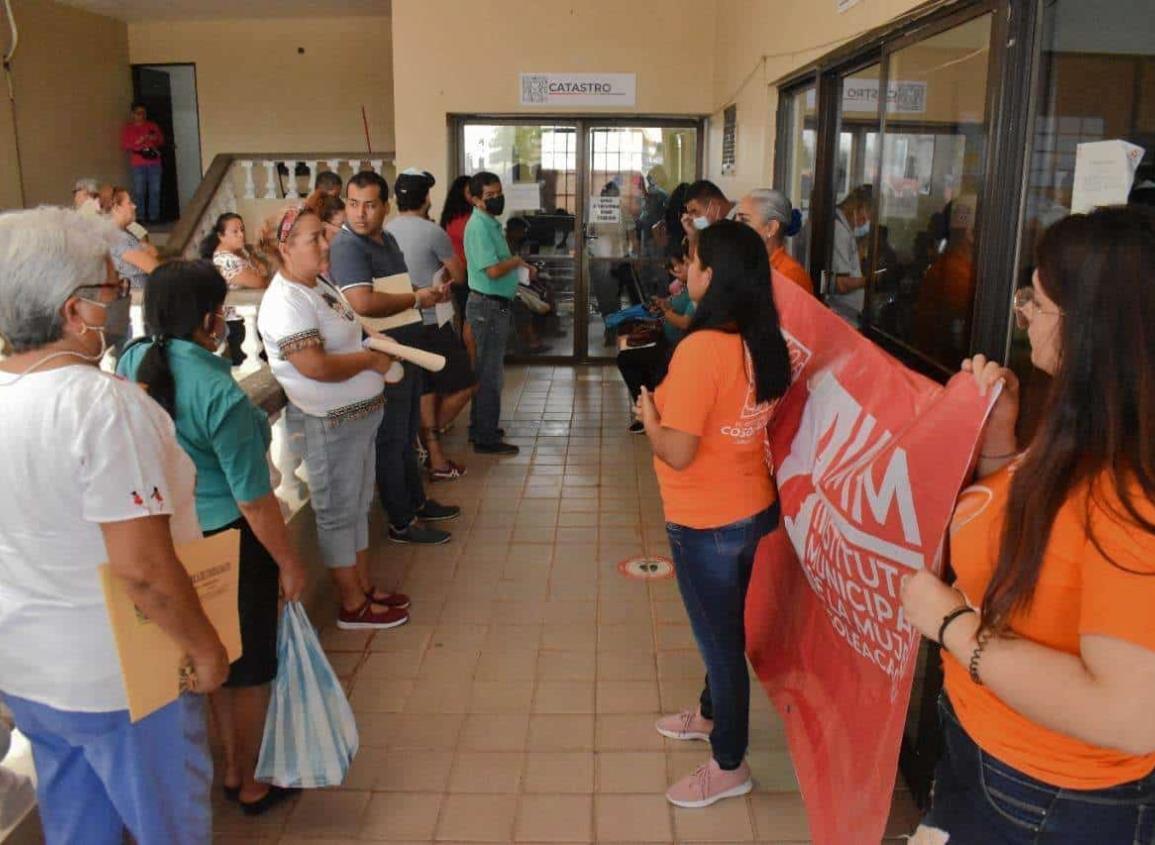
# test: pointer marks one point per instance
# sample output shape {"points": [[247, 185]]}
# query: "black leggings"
{"points": [[645, 367]]}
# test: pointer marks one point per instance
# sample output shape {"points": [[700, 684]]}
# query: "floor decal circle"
{"points": [[647, 568]]}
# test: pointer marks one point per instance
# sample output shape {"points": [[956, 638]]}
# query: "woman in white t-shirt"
{"points": [[102, 480], [336, 398]]}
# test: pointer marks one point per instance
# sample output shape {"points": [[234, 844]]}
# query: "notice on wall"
{"points": [[523, 196], [606, 210], [1104, 173], [579, 89]]}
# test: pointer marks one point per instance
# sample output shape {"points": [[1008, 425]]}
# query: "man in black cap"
{"points": [[432, 262]]}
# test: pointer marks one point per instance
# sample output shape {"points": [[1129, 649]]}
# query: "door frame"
{"points": [[133, 68], [582, 122]]}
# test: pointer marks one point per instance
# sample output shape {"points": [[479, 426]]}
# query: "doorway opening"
{"points": [[169, 93], [584, 203]]}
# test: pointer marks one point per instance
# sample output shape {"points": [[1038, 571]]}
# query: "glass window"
{"points": [[1097, 74], [801, 147], [923, 254], [855, 171]]}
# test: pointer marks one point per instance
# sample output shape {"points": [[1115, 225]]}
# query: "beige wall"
{"points": [[667, 43], [72, 90], [257, 94], [791, 34]]}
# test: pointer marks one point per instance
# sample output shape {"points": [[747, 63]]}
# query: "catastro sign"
{"points": [[579, 89]]}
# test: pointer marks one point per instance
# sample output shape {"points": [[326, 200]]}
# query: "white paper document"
{"points": [[1104, 173], [443, 310]]}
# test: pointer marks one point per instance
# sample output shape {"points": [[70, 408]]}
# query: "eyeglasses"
{"points": [[1025, 300], [123, 288]]}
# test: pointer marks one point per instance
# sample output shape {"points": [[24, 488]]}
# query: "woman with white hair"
{"points": [[102, 480], [769, 213]]}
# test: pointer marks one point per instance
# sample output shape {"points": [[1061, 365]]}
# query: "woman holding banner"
{"points": [[228, 439], [706, 424], [1048, 632]]}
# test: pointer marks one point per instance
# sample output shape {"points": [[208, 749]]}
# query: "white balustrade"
{"points": [[250, 185], [270, 180]]}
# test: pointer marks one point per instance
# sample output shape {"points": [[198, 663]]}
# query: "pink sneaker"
{"points": [[709, 784], [689, 724]]}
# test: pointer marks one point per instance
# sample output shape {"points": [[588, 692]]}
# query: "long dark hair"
{"points": [[212, 240], [456, 204], [1099, 269], [740, 300], [177, 298]]}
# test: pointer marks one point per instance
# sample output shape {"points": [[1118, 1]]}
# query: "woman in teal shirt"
{"points": [[227, 437]]}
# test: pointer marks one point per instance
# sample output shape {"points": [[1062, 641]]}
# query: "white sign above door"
{"points": [[579, 89]]}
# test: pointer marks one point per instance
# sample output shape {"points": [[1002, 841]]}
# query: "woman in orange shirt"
{"points": [[769, 213], [1049, 630], [706, 425]]}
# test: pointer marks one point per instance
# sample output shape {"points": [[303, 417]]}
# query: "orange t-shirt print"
{"points": [[709, 394], [1079, 592]]}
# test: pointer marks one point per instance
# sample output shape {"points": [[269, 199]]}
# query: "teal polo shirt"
{"points": [[224, 433], [485, 246]]}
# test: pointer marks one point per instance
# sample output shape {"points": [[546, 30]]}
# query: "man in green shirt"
{"points": [[493, 278]]}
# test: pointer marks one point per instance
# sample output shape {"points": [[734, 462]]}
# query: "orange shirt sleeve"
{"points": [[690, 389], [1119, 586]]}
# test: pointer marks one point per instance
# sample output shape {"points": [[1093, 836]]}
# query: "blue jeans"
{"points": [[146, 189], [398, 471], [713, 566], [980, 800], [489, 319], [98, 773]]}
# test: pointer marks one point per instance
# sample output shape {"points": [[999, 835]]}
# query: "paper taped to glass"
{"points": [[152, 664], [1104, 173], [398, 283]]}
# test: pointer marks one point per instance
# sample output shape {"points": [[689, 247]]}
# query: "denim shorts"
{"points": [[980, 800], [341, 460]]}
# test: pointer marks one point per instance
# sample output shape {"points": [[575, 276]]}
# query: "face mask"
{"points": [[495, 205], [701, 223], [863, 230], [116, 322]]}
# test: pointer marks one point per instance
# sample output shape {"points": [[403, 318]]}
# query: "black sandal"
{"points": [[276, 795]]}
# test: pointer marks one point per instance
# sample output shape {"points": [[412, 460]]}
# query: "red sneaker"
{"points": [[397, 600], [365, 617]]}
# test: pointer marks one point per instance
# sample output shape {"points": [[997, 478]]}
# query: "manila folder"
{"points": [[150, 661], [397, 283]]}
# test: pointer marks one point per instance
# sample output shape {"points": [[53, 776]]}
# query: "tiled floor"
{"points": [[518, 704]]}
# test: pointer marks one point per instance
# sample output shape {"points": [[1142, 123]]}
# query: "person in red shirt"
{"points": [[769, 213], [454, 215], [142, 140]]}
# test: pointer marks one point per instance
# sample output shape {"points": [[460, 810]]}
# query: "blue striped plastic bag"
{"points": [[310, 735]]}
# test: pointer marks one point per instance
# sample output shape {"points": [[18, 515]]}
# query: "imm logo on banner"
{"points": [[579, 89]]}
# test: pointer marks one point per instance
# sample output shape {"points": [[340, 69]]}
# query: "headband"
{"points": [[288, 222]]}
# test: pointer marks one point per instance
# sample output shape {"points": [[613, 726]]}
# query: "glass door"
{"points": [[537, 164], [584, 203], [631, 171]]}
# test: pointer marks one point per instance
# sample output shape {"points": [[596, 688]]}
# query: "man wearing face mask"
{"points": [[705, 206], [847, 296], [102, 480], [493, 277]]}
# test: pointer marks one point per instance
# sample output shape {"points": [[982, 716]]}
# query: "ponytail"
{"points": [[212, 240], [155, 373]]}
